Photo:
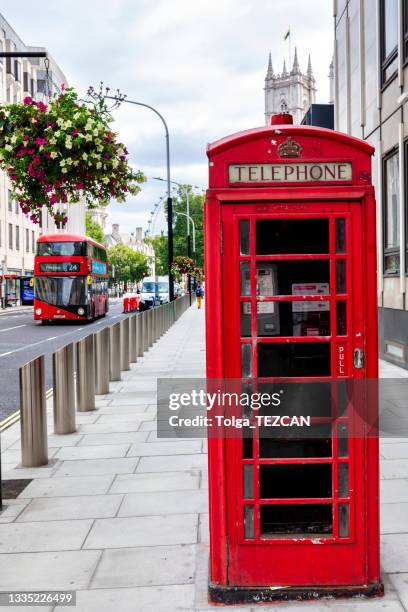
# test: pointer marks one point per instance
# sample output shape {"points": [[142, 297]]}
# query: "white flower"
{"points": [[64, 170], [88, 137], [13, 139], [99, 149], [57, 133], [60, 121], [77, 116], [75, 162], [120, 152], [52, 141], [84, 156], [67, 124], [105, 180], [69, 161], [53, 154], [115, 163], [98, 165], [98, 141], [8, 147], [68, 144], [62, 162], [95, 132]]}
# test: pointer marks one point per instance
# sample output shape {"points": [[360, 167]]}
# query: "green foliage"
{"points": [[64, 151], [180, 225], [93, 229], [129, 264], [159, 244]]}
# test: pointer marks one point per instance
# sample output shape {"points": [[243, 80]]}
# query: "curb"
{"points": [[15, 416]]}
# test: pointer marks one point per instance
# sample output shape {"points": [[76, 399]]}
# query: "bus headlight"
{"points": [[38, 311], [81, 311]]}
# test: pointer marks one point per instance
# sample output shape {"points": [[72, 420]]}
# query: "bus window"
{"points": [[61, 249]]}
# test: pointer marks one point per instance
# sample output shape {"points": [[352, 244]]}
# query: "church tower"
{"points": [[289, 92]]}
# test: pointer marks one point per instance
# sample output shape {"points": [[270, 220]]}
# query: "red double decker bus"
{"points": [[71, 278]]}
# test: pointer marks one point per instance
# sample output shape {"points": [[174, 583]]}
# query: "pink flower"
{"points": [[41, 107], [126, 151], [13, 177], [53, 199], [20, 153], [31, 151], [31, 170], [62, 86], [27, 100], [49, 125], [34, 218], [36, 161], [75, 132], [122, 158], [79, 185], [40, 141], [35, 120], [26, 137]]}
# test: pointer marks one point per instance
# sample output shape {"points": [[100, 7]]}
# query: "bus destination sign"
{"points": [[60, 266], [290, 173]]}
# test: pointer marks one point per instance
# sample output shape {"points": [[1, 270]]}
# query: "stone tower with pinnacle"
{"points": [[289, 92]]}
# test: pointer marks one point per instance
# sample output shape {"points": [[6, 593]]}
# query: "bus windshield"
{"points": [[61, 249], [61, 290], [148, 287]]}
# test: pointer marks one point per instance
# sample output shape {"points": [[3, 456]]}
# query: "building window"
{"points": [[32, 241], [27, 240], [17, 74], [9, 201], [16, 207], [391, 213], [405, 30], [17, 238], [10, 230], [388, 40]]}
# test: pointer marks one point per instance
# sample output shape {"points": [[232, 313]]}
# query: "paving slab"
{"points": [[170, 481], [394, 552], [71, 508], [43, 536], [90, 467], [143, 531], [108, 451], [169, 598], [127, 437], [164, 503], [145, 566], [67, 486], [140, 449], [172, 463], [61, 570]]}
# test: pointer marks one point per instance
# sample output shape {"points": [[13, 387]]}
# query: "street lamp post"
{"points": [[169, 198]]}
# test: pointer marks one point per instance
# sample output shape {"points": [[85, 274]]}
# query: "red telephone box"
{"points": [[290, 254]]}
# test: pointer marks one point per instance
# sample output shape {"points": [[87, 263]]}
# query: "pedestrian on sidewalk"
{"points": [[199, 295]]}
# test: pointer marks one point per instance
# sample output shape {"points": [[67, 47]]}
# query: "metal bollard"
{"points": [[114, 352], [150, 327], [145, 331], [34, 448], [140, 340], [133, 348], [64, 390], [154, 324], [85, 374], [124, 343], [102, 361]]}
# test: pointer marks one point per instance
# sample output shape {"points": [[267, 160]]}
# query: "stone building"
{"points": [[135, 240]]}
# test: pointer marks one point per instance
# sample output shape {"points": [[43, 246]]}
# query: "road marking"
{"points": [[4, 354], [10, 328], [52, 338]]}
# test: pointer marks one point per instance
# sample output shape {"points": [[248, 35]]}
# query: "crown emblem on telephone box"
{"points": [[289, 148]]}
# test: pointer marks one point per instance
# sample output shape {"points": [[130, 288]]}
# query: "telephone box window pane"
{"points": [[313, 399], [302, 318], [391, 179], [245, 319], [340, 235], [343, 473], [342, 442], [315, 442], [341, 318], [309, 277], [244, 237], [245, 278], [246, 360], [294, 359], [248, 481], [291, 481], [344, 520], [247, 445], [297, 236], [302, 519], [341, 276], [246, 390], [249, 521]]}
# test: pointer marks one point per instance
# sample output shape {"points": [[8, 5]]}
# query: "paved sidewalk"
{"points": [[121, 516]]}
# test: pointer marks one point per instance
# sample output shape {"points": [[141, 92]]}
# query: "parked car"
{"points": [[155, 288]]}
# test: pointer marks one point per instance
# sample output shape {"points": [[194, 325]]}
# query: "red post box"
{"points": [[290, 267]]}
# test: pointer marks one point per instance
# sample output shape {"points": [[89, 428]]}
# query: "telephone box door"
{"points": [[292, 286]]}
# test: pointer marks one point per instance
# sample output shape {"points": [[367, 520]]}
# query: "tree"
{"points": [[159, 244], [130, 265], [93, 229], [196, 202]]}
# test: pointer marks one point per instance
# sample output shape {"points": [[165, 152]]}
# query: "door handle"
{"points": [[358, 358]]}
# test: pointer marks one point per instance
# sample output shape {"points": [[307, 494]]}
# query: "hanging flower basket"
{"points": [[182, 265], [63, 152], [197, 273]]}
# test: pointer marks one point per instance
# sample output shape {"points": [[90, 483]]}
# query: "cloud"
{"points": [[201, 63]]}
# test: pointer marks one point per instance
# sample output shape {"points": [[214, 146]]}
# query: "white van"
{"points": [[155, 286]]}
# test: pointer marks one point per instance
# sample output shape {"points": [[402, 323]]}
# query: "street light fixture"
{"points": [[168, 181]]}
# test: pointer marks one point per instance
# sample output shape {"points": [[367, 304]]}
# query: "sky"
{"points": [[201, 63]]}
